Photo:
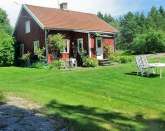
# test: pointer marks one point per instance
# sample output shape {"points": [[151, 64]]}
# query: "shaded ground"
{"points": [[89, 115], [20, 115]]}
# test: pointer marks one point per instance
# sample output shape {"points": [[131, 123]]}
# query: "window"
{"points": [[36, 45], [67, 46], [80, 45], [21, 49], [99, 43], [27, 26]]}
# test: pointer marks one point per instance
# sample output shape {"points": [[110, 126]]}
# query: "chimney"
{"points": [[64, 6]]}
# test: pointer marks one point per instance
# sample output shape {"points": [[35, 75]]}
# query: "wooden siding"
{"points": [[36, 33], [109, 41]]}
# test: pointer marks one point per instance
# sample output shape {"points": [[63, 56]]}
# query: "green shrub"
{"points": [[125, 59], [150, 42], [39, 65], [6, 49], [120, 58], [40, 54], [57, 41], [25, 60], [89, 62], [108, 50], [56, 64]]}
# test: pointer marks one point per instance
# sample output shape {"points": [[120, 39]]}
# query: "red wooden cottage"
{"points": [[35, 23]]}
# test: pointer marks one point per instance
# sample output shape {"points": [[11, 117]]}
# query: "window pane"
{"points": [[66, 48], [21, 49], [80, 45], [27, 26], [36, 45], [99, 43]]}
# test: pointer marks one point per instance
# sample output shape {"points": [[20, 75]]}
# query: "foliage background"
{"points": [[6, 41], [133, 27]]}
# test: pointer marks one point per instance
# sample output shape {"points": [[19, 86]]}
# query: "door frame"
{"points": [[78, 46], [101, 56]]}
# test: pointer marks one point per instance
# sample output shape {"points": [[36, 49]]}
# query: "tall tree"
{"points": [[108, 18], [128, 28], [100, 15], [4, 22], [162, 11]]}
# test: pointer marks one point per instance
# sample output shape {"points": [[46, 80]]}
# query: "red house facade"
{"points": [[81, 30]]}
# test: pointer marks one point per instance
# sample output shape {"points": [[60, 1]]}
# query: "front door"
{"points": [[99, 49]]}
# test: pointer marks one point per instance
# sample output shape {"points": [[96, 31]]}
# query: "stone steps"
{"points": [[104, 62]]}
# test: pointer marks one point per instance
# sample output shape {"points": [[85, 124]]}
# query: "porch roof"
{"points": [[52, 18]]}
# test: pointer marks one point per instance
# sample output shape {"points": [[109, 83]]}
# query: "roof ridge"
{"points": [[67, 19], [67, 10]]}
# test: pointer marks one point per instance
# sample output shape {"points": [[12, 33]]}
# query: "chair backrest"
{"points": [[145, 61], [139, 63]]}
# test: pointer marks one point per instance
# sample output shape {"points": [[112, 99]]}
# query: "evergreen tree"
{"points": [[162, 11], [4, 22]]}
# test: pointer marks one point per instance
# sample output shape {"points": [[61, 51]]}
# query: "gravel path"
{"points": [[20, 115]]}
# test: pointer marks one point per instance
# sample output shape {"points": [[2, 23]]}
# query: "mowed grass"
{"points": [[104, 98]]}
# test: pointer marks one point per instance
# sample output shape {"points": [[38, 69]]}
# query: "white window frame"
{"points": [[67, 46], [36, 45], [78, 45], [22, 49], [99, 38], [27, 26]]}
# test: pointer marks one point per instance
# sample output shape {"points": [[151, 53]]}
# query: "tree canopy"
{"points": [[6, 40], [6, 49], [132, 25], [4, 22]]}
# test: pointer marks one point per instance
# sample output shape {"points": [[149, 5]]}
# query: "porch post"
{"points": [[46, 45], [89, 45], [114, 36]]}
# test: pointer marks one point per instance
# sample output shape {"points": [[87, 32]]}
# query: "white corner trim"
{"points": [[89, 45], [33, 16]]}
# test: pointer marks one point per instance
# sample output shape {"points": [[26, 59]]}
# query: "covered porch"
{"points": [[90, 43]]}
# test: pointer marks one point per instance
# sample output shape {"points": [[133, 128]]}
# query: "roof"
{"points": [[52, 18]]}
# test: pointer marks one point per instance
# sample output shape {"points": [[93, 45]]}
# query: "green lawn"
{"points": [[105, 98]]}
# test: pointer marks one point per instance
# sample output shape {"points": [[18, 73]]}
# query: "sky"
{"points": [[114, 7]]}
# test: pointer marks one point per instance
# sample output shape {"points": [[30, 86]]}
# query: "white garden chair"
{"points": [[143, 66]]}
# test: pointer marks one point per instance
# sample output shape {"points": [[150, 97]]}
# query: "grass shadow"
{"points": [[82, 118], [145, 75]]}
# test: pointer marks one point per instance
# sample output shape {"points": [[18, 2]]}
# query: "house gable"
{"points": [[36, 32], [25, 8]]}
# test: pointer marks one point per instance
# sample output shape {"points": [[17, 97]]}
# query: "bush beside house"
{"points": [[117, 56], [6, 49], [89, 62], [6, 41]]}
